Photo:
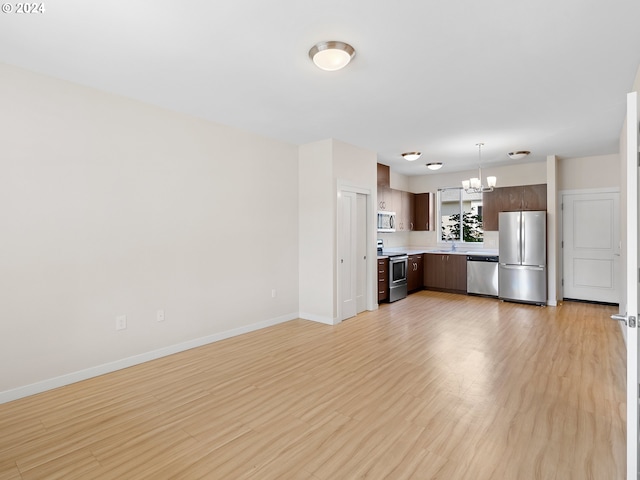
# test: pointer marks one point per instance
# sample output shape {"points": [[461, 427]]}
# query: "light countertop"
{"points": [[460, 250]]}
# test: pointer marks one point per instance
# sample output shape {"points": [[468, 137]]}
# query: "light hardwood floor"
{"points": [[436, 386]]}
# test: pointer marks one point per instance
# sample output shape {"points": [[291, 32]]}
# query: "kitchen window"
{"points": [[459, 216]]}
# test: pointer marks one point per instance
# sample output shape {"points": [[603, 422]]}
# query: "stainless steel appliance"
{"points": [[398, 276], [386, 221], [398, 263], [522, 271], [482, 275]]}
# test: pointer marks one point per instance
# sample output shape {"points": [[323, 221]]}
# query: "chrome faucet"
{"points": [[453, 244]]}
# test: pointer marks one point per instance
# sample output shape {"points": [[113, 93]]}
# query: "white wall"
{"points": [[589, 172], [355, 169], [509, 175], [553, 238], [317, 231], [109, 206], [323, 166], [398, 181]]}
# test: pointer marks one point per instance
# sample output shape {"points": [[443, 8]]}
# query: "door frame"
{"points": [[346, 186], [583, 191], [631, 285]]}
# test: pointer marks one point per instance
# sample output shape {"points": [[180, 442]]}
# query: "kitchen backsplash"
{"points": [[427, 239], [396, 239]]}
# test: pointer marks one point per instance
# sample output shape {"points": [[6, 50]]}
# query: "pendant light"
{"points": [[474, 185]]}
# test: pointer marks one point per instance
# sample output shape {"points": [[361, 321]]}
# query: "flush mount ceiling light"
{"points": [[434, 166], [331, 55], [518, 155], [411, 156], [474, 185]]}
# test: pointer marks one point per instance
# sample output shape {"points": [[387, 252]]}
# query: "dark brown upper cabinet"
{"points": [[422, 208], [384, 175], [511, 199]]}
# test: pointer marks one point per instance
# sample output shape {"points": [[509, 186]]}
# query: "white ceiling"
{"points": [[548, 76]]}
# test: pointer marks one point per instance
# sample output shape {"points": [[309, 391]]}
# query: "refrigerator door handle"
{"points": [[521, 267], [522, 238]]}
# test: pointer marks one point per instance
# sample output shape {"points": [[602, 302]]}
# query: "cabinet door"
{"points": [[534, 197], [408, 216], [511, 199], [384, 199], [490, 210], [384, 175], [415, 273], [422, 211], [412, 272], [419, 261], [396, 206], [434, 270], [456, 276], [502, 199]]}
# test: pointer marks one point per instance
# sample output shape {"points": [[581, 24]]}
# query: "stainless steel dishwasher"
{"points": [[482, 275]]}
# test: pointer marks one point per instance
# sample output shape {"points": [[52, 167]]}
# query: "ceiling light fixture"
{"points": [[434, 165], [411, 156], [332, 55], [474, 185], [518, 155]]}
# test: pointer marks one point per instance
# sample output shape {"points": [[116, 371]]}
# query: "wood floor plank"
{"points": [[434, 387]]}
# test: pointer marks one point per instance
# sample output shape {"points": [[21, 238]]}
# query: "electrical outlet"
{"points": [[121, 322], [160, 316], [274, 293]]}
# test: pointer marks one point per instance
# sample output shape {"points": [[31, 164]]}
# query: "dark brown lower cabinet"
{"points": [[415, 273], [445, 272], [383, 279]]}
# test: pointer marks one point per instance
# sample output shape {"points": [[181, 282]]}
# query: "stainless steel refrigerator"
{"points": [[522, 272]]}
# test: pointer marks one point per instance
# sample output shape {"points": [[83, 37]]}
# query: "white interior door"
{"points": [[361, 253], [631, 284], [347, 216], [591, 246]]}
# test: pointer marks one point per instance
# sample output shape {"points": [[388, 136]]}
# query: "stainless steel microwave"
{"points": [[386, 221]]}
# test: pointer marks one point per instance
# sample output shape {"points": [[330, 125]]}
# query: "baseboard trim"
{"points": [[318, 318], [68, 379], [593, 302]]}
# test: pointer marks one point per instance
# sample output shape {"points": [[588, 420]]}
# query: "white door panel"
{"points": [[347, 253], [361, 253], [591, 226], [593, 273], [631, 287], [352, 254]]}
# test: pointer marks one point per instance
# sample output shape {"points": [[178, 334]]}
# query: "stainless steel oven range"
{"points": [[398, 263], [397, 275]]}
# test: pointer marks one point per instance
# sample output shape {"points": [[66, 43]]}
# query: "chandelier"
{"points": [[474, 185]]}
